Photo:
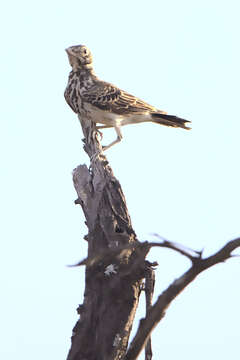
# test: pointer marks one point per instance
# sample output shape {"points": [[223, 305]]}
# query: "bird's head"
{"points": [[79, 57]]}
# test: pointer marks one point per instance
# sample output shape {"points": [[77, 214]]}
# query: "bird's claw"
{"points": [[98, 132], [95, 156]]}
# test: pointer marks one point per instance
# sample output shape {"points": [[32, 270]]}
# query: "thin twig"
{"points": [[113, 252]]}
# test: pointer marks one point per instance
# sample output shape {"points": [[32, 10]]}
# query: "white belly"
{"points": [[110, 119]]}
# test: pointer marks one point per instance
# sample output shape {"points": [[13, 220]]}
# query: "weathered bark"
{"points": [[116, 265], [113, 281], [158, 310]]}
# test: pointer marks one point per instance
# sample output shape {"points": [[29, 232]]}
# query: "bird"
{"points": [[105, 103]]}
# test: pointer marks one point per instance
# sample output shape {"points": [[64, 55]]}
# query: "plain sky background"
{"points": [[181, 56]]}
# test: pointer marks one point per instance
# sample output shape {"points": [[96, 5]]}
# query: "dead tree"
{"points": [[116, 267]]}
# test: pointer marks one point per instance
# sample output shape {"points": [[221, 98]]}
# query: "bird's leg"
{"points": [[102, 127], [95, 156], [118, 139]]}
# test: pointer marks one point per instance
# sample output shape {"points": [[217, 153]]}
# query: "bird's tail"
{"points": [[170, 120]]}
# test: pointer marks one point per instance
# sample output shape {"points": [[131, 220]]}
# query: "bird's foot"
{"points": [[99, 133], [95, 156]]}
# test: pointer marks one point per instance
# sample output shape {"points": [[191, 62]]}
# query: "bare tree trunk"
{"points": [[113, 281], [116, 265]]}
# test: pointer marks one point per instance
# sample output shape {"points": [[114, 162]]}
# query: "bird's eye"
{"points": [[85, 51]]}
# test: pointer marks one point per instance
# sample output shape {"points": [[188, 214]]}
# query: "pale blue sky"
{"points": [[181, 56]]}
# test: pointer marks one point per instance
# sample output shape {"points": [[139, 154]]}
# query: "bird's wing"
{"points": [[108, 97]]}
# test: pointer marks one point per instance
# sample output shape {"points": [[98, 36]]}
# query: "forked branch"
{"points": [[158, 310], [116, 265]]}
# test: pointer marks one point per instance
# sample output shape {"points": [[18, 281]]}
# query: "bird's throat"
{"points": [[86, 77]]}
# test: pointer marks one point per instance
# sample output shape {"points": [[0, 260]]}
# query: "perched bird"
{"points": [[104, 102]]}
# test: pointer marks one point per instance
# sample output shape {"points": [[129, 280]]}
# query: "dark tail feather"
{"points": [[170, 120]]}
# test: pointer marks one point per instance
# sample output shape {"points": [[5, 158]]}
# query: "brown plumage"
{"points": [[106, 103]]}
